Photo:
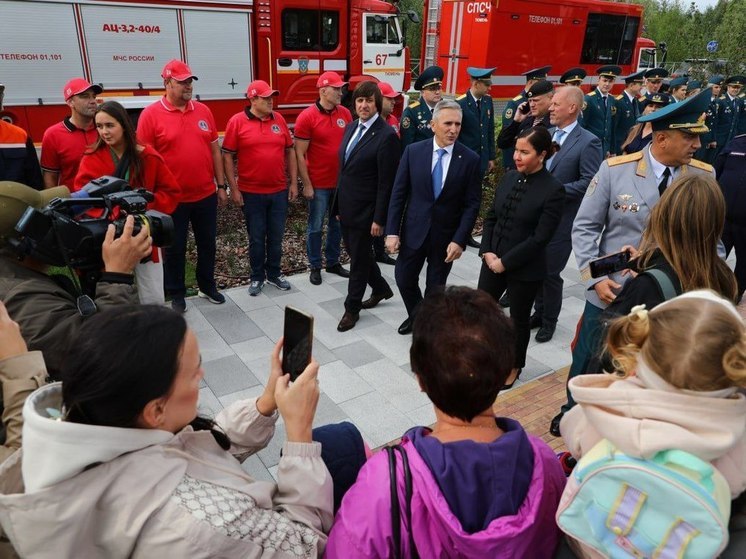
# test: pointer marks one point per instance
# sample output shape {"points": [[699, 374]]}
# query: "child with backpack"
{"points": [[661, 446]]}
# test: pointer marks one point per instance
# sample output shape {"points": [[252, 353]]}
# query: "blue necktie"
{"points": [[558, 134], [438, 174], [355, 140]]}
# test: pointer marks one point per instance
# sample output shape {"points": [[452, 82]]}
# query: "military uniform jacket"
{"points": [[415, 123], [508, 113], [741, 128], [615, 210], [627, 111], [729, 114], [711, 121], [478, 127], [599, 119]]}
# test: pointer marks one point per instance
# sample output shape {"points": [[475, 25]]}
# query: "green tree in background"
{"points": [[412, 31]]}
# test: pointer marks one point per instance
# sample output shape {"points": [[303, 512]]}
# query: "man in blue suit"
{"points": [[574, 165], [434, 203]]}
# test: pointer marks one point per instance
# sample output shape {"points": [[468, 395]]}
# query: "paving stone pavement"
{"points": [[365, 375]]}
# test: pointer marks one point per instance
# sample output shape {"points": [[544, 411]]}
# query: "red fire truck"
{"points": [[124, 44], [518, 35]]}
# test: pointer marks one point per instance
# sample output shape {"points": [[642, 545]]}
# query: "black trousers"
{"points": [[522, 295], [549, 296], [409, 265], [364, 270], [734, 237]]}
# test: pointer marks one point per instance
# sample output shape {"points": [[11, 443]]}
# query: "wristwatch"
{"points": [[223, 186]]}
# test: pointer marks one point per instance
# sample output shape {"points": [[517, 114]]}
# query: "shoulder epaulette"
{"points": [[460, 97], [518, 97], [414, 105], [697, 164], [722, 96], [619, 159], [619, 97], [592, 93]]}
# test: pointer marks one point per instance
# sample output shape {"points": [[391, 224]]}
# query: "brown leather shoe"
{"points": [[376, 298], [348, 321]]}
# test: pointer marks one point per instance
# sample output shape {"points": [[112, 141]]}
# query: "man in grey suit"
{"points": [[574, 165], [616, 207]]}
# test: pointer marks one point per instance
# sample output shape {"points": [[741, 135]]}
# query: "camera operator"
{"points": [[47, 308]]}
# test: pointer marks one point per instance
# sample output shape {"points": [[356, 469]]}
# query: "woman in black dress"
{"points": [[522, 220]]}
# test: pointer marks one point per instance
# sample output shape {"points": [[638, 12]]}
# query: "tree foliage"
{"points": [[687, 30]]}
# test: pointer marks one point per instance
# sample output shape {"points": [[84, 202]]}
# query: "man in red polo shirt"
{"points": [[318, 134], [183, 131], [64, 143], [261, 141], [389, 102]]}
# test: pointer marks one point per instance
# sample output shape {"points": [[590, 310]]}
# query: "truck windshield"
{"points": [[382, 30], [609, 39]]}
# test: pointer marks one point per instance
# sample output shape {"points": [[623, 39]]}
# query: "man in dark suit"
{"points": [[534, 112], [574, 165], [369, 155], [434, 204]]}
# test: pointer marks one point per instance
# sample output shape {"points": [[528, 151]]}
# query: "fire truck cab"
{"points": [[124, 44]]}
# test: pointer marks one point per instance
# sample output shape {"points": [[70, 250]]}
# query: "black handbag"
{"points": [[396, 505]]}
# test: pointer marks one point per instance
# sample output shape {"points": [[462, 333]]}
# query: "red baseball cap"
{"points": [[77, 86], [260, 88], [331, 79], [177, 70], [388, 91]]}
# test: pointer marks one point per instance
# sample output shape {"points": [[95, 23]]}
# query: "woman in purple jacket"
{"points": [[482, 487]]}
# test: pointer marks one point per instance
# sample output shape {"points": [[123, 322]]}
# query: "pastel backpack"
{"points": [[672, 506]]}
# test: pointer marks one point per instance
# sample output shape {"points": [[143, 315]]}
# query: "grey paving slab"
{"points": [[424, 415], [321, 353], [212, 346], [389, 342], [208, 404], [231, 322], [256, 469], [270, 320], [228, 375], [196, 320], [357, 353], [341, 383], [238, 395], [378, 421], [270, 454], [328, 412], [336, 309], [253, 349], [247, 303], [399, 388]]}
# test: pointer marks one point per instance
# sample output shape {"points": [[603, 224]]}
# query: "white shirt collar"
{"points": [[569, 128], [658, 167], [436, 147], [367, 124]]}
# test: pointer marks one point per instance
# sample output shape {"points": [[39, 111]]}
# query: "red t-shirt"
{"points": [[324, 130], [184, 139], [62, 148], [156, 177], [260, 146], [394, 123]]}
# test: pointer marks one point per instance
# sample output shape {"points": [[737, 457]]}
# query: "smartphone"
{"points": [[524, 108], [609, 264], [297, 345]]}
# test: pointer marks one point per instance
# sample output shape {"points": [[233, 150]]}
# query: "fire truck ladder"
{"points": [[432, 31]]}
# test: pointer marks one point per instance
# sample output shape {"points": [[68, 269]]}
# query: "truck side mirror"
{"points": [[413, 17]]}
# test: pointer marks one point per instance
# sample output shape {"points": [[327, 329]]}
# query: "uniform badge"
{"points": [[276, 128], [341, 123], [613, 111], [203, 125], [405, 122], [625, 203], [585, 105], [508, 113], [592, 186]]}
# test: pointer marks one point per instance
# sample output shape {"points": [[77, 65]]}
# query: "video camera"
{"points": [[70, 231]]}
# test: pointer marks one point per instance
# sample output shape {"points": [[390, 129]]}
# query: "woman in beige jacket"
{"points": [[116, 463]]}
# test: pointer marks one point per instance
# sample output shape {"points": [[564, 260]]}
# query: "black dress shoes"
{"points": [[545, 333], [517, 376], [348, 321], [406, 327], [337, 269], [315, 276], [472, 242], [385, 259], [554, 427], [376, 298], [505, 300]]}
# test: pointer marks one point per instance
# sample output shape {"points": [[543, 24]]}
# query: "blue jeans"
{"points": [[318, 207], [203, 215], [265, 216]]}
